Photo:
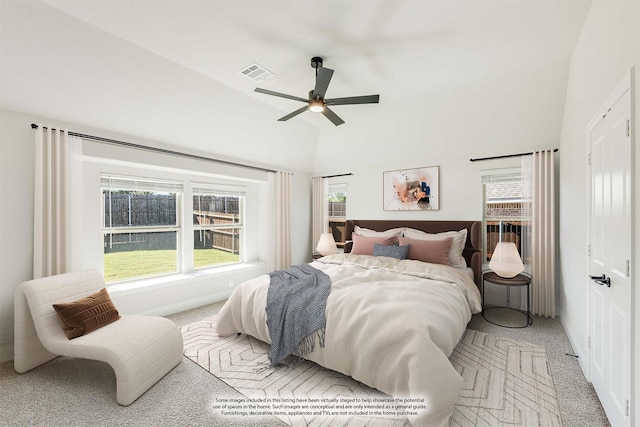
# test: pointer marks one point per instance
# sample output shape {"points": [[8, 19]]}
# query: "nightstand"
{"points": [[522, 279]]}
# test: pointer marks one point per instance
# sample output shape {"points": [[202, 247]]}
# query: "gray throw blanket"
{"points": [[296, 303]]}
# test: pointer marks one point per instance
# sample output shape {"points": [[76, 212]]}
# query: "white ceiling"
{"points": [[403, 50]]}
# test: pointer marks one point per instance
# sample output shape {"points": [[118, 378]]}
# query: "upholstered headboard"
{"points": [[472, 252]]}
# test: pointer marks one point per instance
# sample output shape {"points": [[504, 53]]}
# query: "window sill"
{"points": [[140, 285]]}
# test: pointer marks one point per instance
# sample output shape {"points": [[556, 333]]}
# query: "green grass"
{"points": [[120, 266], [208, 257]]}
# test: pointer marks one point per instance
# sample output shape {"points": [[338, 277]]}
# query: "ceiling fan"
{"points": [[316, 101]]}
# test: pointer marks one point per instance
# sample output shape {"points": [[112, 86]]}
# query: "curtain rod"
{"points": [[335, 176], [505, 156], [158, 150]]}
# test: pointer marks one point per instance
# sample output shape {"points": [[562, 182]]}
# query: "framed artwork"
{"points": [[411, 189]]}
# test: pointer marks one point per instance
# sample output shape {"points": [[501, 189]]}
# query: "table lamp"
{"points": [[326, 244], [506, 261]]}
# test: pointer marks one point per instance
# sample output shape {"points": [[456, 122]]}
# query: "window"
{"points": [[217, 225], [147, 224], [505, 213], [337, 196], [140, 227]]}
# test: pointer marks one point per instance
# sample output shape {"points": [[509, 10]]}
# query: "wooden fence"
{"points": [[227, 239], [511, 230], [137, 209], [338, 209], [145, 209]]}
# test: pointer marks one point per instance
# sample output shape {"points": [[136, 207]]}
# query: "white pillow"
{"points": [[365, 232], [457, 245]]}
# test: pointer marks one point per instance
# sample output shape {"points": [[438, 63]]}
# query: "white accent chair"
{"points": [[140, 349]]}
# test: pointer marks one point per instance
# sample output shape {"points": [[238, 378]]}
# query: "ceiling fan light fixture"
{"points": [[316, 105], [316, 101]]}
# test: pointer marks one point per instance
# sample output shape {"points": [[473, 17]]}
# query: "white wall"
{"points": [[16, 218], [495, 117], [608, 47], [16, 223], [502, 114], [58, 66]]}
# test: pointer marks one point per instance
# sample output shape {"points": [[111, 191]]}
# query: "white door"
{"points": [[610, 255]]}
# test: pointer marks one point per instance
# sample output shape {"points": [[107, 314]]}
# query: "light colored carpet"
{"points": [[507, 382], [67, 392]]}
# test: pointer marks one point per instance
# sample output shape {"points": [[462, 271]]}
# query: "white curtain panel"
{"points": [[539, 170], [526, 177], [320, 208], [76, 179], [280, 230], [58, 182]]}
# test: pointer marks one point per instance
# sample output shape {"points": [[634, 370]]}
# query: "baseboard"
{"points": [[188, 305], [583, 359]]}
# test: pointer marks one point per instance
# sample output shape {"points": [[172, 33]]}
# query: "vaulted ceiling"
{"points": [[169, 70]]}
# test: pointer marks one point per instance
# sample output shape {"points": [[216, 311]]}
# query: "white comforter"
{"points": [[391, 324]]}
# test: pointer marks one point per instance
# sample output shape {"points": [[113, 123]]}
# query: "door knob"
{"points": [[602, 280]]}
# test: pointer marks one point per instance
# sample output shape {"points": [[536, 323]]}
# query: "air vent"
{"points": [[256, 72]]}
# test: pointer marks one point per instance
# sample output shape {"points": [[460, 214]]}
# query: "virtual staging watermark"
{"points": [[313, 407]]}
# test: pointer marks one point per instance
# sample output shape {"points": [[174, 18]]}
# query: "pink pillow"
{"points": [[433, 251], [364, 245]]}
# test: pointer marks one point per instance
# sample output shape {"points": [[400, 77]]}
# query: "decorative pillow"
{"points": [[364, 245], [372, 233], [392, 251], [433, 251], [455, 253], [87, 314]]}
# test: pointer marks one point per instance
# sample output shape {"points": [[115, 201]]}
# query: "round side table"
{"points": [[522, 279]]}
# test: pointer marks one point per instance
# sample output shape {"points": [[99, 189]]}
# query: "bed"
{"points": [[390, 323]]}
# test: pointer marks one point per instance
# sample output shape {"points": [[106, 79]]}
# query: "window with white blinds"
{"points": [[146, 221], [218, 221], [505, 214], [140, 226]]}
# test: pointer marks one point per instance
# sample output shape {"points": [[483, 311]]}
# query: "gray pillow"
{"points": [[393, 251]]}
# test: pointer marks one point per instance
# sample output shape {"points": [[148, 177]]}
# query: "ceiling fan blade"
{"points": [[329, 114], [367, 99], [322, 82], [295, 113], [281, 95]]}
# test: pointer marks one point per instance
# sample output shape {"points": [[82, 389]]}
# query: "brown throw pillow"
{"points": [[364, 245], [433, 251], [87, 314]]}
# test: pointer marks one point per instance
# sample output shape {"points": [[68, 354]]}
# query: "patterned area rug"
{"points": [[507, 383]]}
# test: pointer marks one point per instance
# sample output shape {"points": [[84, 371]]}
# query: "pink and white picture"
{"points": [[411, 189]]}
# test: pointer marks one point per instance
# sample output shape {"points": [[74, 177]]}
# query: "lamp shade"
{"points": [[326, 245], [505, 261]]}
